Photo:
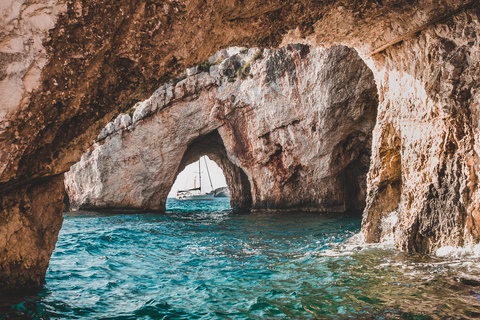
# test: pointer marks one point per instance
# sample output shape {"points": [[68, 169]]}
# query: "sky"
{"points": [[186, 177]]}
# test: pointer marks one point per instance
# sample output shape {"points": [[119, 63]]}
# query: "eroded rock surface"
{"points": [[94, 58], [31, 218], [63, 78], [426, 141], [297, 122]]}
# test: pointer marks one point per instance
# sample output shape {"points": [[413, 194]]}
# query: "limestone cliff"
{"points": [[68, 67], [426, 140], [221, 192], [295, 124]]}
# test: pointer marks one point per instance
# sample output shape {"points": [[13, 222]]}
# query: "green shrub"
{"points": [[131, 111], [244, 71], [204, 66], [218, 61], [257, 55]]}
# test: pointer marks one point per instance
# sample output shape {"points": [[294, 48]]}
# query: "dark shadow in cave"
{"points": [[354, 153], [355, 174], [351, 156]]}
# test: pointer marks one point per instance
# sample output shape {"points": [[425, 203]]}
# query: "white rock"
{"points": [[214, 72], [11, 89], [12, 44], [180, 90], [168, 94], [102, 135], [142, 111], [110, 128], [192, 71], [125, 121], [265, 125]]}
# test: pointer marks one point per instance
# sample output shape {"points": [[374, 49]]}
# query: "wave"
{"points": [[469, 251]]}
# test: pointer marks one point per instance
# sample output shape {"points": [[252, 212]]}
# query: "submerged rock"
{"points": [[291, 129]]}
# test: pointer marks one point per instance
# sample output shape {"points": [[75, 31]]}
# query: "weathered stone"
{"points": [[297, 128], [158, 100], [110, 128], [426, 140], [142, 110], [168, 94], [59, 87], [31, 220], [192, 71]]}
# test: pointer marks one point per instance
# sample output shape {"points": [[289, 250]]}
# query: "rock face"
{"points": [[293, 126], [28, 232], [222, 192], [426, 140], [68, 68]]}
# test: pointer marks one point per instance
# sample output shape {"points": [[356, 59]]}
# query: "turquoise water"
{"points": [[205, 262]]}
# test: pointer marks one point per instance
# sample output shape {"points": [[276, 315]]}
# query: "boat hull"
{"points": [[195, 197]]}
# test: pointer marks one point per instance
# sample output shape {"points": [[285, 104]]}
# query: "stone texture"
{"points": [[59, 87], [102, 57], [30, 221], [296, 128], [425, 154], [222, 192]]}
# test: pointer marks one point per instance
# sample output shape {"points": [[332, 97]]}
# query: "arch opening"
{"points": [[211, 145], [289, 147], [211, 181]]}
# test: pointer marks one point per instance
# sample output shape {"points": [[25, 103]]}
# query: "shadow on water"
{"points": [[206, 263]]}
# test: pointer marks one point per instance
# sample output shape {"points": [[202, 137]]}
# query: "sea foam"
{"points": [[469, 251]]}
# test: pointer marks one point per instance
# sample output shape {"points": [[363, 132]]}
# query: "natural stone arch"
{"points": [[75, 87], [298, 124], [46, 129], [212, 146]]}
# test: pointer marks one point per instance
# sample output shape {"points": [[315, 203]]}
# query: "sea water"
{"points": [[202, 261]]}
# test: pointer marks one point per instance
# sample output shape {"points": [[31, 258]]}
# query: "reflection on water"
{"points": [[213, 264]]}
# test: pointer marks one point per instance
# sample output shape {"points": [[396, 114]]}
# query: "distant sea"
{"points": [[202, 261]]}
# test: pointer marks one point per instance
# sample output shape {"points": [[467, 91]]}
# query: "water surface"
{"points": [[204, 262]]}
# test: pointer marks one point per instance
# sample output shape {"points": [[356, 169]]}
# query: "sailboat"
{"points": [[196, 193]]}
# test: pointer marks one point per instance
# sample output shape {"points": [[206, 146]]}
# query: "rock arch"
{"points": [[212, 146], [71, 66], [287, 134]]}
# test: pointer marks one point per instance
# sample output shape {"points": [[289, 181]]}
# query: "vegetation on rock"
{"points": [[244, 71]]}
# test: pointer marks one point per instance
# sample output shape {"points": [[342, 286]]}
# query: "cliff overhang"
{"points": [[71, 66]]}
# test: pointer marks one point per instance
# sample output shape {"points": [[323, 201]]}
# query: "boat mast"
{"points": [[200, 174], [208, 172]]}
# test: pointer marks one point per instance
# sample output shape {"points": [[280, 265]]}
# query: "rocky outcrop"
{"points": [[31, 218], [295, 123], [68, 67], [426, 140], [64, 78], [91, 59], [222, 192]]}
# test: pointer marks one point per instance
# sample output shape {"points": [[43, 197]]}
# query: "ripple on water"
{"points": [[209, 263]]}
